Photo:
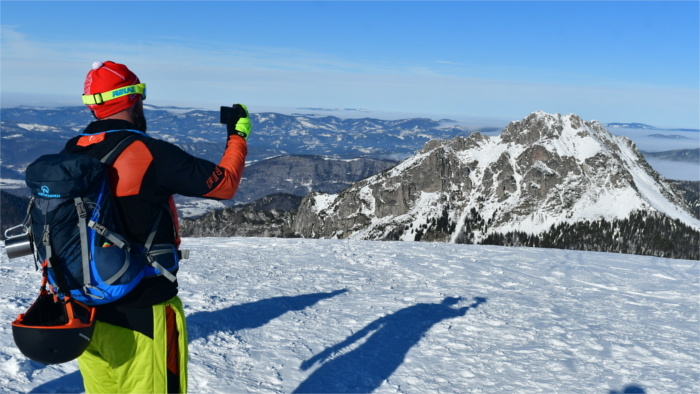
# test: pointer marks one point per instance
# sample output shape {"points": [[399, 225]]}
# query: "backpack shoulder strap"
{"points": [[84, 223], [112, 155], [109, 158]]}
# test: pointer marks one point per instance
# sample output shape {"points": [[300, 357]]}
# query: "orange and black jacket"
{"points": [[146, 175]]}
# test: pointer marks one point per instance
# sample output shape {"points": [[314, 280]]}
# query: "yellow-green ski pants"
{"points": [[120, 360]]}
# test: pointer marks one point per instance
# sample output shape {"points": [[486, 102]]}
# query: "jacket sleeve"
{"points": [[178, 172]]}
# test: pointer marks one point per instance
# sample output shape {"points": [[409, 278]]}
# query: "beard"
{"points": [[139, 118]]}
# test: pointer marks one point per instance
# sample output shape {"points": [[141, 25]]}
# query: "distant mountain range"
{"points": [[684, 155], [37, 131], [630, 126], [28, 133], [301, 175], [642, 126], [294, 154]]}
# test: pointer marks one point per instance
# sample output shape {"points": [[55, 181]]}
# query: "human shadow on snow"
{"points": [[363, 369], [630, 389], [250, 315], [71, 383]]}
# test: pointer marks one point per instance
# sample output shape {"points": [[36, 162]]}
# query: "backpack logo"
{"points": [[46, 193]]}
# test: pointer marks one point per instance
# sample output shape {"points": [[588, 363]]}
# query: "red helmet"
{"points": [[53, 330]]}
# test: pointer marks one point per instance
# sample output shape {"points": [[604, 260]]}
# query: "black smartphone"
{"points": [[231, 114]]}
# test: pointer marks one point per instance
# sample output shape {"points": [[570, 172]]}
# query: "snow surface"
{"points": [[270, 315], [38, 127]]}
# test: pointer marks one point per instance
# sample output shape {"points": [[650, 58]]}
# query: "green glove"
{"points": [[242, 126]]}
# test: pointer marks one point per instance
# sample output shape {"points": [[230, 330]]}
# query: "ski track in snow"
{"points": [[270, 315]]}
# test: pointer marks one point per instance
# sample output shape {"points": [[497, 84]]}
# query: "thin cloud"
{"points": [[179, 70]]}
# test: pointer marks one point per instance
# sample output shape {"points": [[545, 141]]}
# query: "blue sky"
{"points": [[620, 61]]}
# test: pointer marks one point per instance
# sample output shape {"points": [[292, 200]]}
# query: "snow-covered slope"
{"points": [[272, 315], [544, 170]]}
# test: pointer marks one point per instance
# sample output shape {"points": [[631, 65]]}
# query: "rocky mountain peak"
{"points": [[541, 171], [541, 126]]}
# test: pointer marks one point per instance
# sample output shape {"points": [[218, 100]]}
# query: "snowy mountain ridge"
{"points": [[544, 170]]}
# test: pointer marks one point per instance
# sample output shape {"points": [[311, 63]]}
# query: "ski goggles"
{"points": [[101, 98]]}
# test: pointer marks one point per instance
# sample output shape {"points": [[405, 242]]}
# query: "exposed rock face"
{"points": [[543, 170]]}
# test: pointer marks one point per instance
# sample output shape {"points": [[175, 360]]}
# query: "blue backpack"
{"points": [[78, 234]]}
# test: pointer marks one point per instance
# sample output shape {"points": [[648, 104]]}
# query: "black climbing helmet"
{"points": [[54, 330]]}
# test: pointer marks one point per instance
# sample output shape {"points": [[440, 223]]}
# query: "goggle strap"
{"points": [[101, 98]]}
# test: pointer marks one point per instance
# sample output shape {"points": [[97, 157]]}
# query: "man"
{"points": [[140, 341]]}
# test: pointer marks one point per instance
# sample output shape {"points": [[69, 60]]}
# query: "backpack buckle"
{"points": [[80, 207]]}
